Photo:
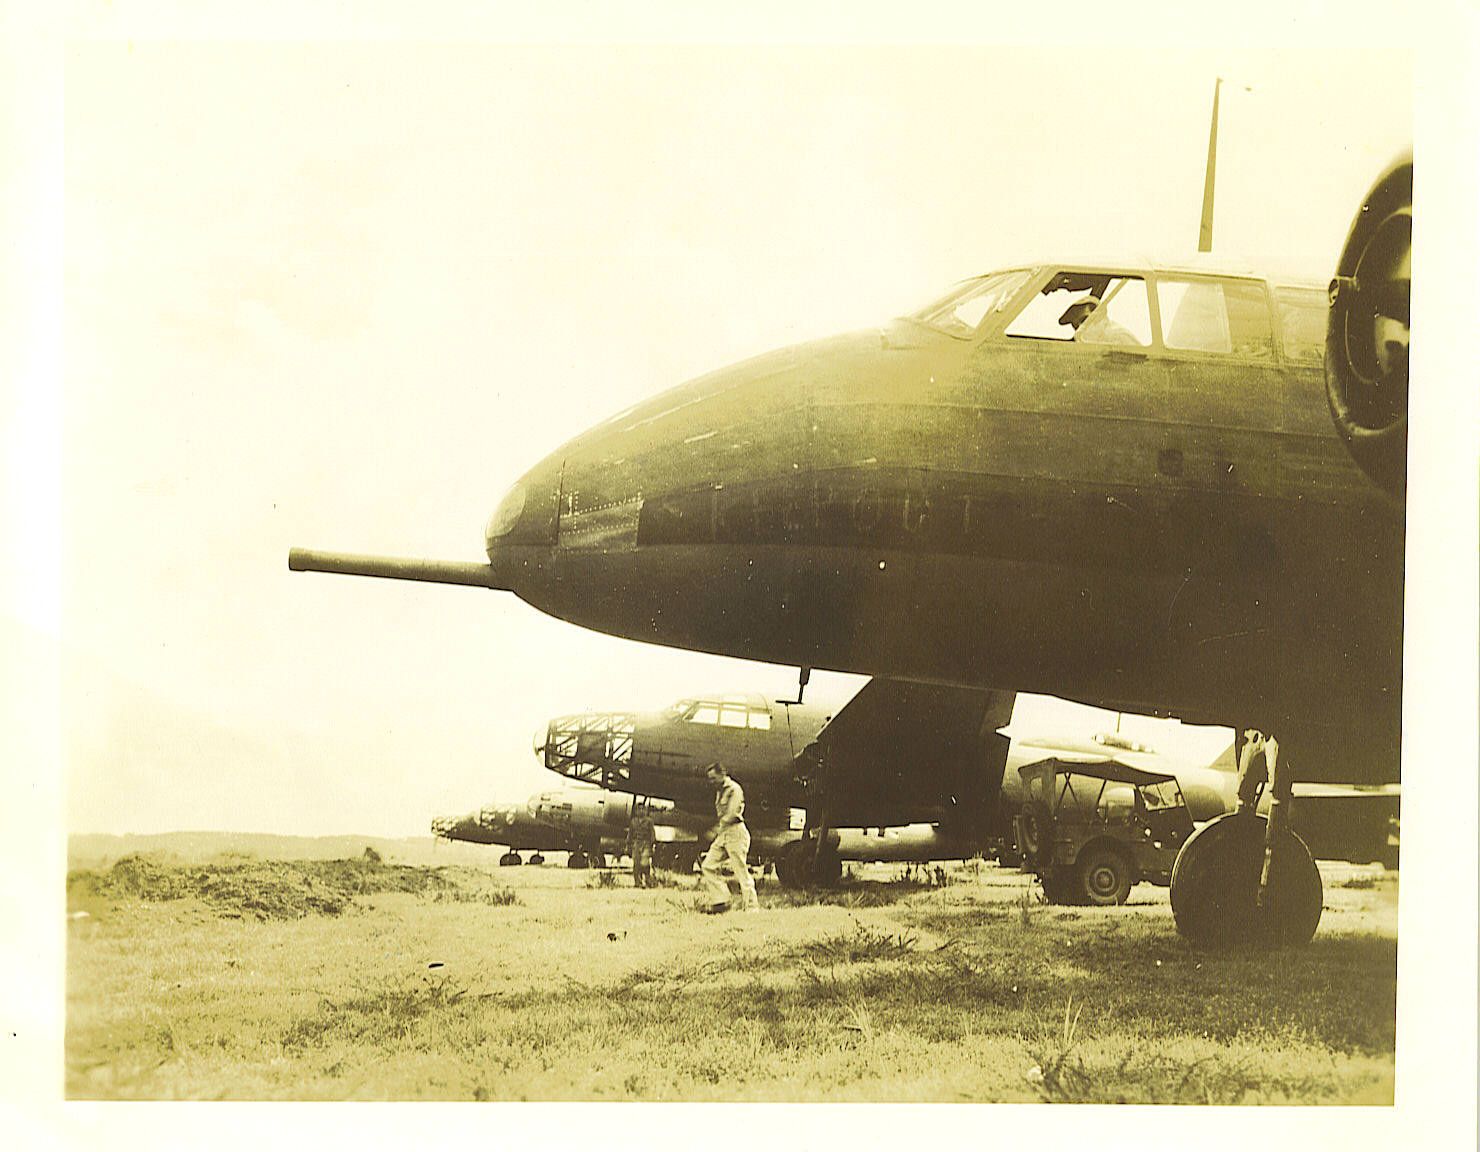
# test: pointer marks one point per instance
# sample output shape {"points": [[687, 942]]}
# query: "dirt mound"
{"points": [[266, 889]]}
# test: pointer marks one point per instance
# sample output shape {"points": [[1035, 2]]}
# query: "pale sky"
{"points": [[341, 296]]}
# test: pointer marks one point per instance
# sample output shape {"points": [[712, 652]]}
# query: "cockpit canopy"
{"points": [[745, 711], [1180, 310]]}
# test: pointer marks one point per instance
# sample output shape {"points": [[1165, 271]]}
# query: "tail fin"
{"points": [[1226, 761]]}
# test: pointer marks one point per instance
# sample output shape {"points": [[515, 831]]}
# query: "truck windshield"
{"points": [[1163, 795]]}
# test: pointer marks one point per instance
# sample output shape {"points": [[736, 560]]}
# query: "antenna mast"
{"points": [[1205, 230]]}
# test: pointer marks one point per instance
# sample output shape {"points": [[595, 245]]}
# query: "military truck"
{"points": [[1092, 831]]}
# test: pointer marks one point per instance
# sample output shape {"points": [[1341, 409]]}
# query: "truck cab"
{"points": [[1091, 832]]}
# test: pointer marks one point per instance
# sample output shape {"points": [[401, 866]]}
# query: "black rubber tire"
{"points": [[577, 860], [827, 871], [537, 858], [1057, 888], [799, 867], [1103, 876], [789, 865], [1215, 886], [509, 860]]}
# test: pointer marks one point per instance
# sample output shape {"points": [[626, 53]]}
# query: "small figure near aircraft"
{"points": [[641, 836], [729, 846]]}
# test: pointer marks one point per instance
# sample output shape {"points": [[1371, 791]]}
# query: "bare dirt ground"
{"points": [[365, 979]]}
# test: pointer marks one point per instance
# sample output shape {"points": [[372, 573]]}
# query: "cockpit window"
{"points": [[1302, 323], [730, 712], [1224, 316], [961, 312], [732, 716], [1087, 308]]}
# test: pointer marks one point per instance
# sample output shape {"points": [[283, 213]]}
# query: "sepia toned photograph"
{"points": [[750, 570]]}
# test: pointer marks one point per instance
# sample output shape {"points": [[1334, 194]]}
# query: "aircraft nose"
{"points": [[614, 529], [527, 513], [590, 746]]}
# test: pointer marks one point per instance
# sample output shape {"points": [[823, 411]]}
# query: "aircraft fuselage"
{"points": [[1153, 528]]}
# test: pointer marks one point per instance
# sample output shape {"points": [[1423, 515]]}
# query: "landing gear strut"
{"points": [[813, 860], [1242, 880]]}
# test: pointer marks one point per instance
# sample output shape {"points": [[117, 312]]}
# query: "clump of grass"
{"points": [[375, 1017], [663, 878], [1025, 909], [860, 1020], [1359, 882], [867, 894], [862, 944], [605, 878], [821, 983], [1056, 1078], [500, 897], [922, 876], [264, 889]]}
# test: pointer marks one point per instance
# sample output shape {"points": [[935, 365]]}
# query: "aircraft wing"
{"points": [[901, 752]]}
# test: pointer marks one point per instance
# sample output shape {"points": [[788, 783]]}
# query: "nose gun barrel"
{"points": [[395, 568]]}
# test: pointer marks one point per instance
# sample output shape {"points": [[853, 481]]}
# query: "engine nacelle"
{"points": [[1367, 330]]}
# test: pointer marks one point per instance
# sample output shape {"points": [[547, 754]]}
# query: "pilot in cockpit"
{"points": [[1092, 323]]}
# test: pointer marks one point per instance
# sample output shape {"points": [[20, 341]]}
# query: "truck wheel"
{"points": [[1103, 876], [1056, 889]]}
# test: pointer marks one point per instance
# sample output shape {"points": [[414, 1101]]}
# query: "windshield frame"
{"points": [[932, 314]]}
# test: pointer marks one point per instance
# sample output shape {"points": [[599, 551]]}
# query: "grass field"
{"points": [[368, 979]]}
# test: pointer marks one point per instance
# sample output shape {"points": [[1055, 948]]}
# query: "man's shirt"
{"points": [[641, 831], [729, 802]]}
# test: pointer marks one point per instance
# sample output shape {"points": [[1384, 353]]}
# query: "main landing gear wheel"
{"points": [[798, 866], [577, 860], [1102, 877], [537, 858], [1215, 887], [509, 860]]}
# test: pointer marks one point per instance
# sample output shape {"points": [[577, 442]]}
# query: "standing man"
{"points": [[640, 838], [728, 848]]}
